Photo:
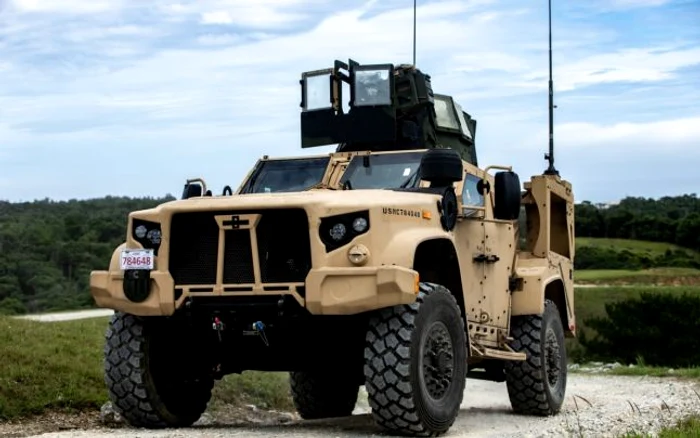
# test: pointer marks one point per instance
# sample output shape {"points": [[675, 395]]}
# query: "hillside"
{"points": [[639, 247], [47, 249]]}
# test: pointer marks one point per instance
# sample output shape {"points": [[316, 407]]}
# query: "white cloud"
{"points": [[639, 3], [195, 99], [630, 65], [65, 6], [217, 17], [670, 135]]}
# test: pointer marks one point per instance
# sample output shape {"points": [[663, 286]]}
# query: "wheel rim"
{"points": [[552, 353], [438, 360]]}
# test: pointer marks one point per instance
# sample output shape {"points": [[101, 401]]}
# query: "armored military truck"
{"points": [[392, 263]]}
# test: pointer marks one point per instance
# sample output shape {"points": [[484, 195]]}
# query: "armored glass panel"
{"points": [[383, 171], [372, 87], [470, 195], [286, 175], [463, 121], [445, 113], [318, 92]]}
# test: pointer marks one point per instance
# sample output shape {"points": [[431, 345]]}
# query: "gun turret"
{"points": [[390, 108]]}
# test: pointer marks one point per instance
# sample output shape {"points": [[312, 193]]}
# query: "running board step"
{"points": [[491, 353]]}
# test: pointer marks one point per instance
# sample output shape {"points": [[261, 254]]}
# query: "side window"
{"points": [[470, 196]]}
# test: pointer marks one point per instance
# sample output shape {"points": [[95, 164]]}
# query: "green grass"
{"points": [[641, 247], [690, 373], [687, 428], [264, 390], [667, 276], [50, 366], [606, 274], [58, 367]]}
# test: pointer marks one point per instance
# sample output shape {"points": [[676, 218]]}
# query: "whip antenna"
{"points": [[550, 156], [414, 32]]}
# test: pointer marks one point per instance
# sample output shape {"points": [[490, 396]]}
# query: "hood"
{"points": [[330, 199]]}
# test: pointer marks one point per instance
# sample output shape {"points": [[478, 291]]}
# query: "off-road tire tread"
{"points": [[326, 396], [129, 382], [387, 366], [525, 380]]}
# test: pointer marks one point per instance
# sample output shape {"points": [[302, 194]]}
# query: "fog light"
{"points": [[358, 255]]}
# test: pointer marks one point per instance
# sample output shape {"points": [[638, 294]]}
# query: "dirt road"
{"points": [[617, 405], [67, 316]]}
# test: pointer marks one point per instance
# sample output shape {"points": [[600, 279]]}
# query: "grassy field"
{"points": [[656, 276], [58, 366], [651, 249]]}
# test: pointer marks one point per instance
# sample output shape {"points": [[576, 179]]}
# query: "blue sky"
{"points": [[131, 97]]}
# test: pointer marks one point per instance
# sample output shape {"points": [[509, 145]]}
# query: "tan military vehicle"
{"points": [[393, 263]]}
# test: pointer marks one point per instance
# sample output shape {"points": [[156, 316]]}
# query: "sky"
{"points": [[132, 97]]}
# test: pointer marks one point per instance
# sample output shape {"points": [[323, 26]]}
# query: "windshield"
{"points": [[384, 171], [286, 175]]}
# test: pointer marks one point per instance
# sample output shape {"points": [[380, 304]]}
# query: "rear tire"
{"points": [[416, 364], [323, 395], [146, 374], [537, 385]]}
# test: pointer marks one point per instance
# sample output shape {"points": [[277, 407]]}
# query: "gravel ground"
{"points": [[596, 406]]}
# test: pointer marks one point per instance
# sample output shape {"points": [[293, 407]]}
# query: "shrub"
{"points": [[661, 328]]}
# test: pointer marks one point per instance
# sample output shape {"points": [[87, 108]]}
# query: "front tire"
{"points": [[537, 385], [416, 364], [146, 374]]}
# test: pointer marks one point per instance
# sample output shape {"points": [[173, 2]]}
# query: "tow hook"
{"points": [[218, 326], [258, 329]]}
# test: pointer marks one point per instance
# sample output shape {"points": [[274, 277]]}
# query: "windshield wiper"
{"points": [[409, 179]]}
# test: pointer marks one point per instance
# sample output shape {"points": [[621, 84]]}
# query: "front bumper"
{"points": [[328, 291]]}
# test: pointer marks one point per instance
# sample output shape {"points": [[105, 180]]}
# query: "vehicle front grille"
{"points": [[284, 251]]}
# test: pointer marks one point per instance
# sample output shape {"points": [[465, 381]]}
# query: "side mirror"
{"points": [[507, 196]]}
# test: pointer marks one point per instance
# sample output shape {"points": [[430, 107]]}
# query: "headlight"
{"points": [[140, 231], [339, 230], [359, 224], [147, 233]]}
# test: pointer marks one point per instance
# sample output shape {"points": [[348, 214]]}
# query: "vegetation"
{"points": [[47, 248], [50, 366], [661, 328], [58, 366], [594, 255], [654, 276], [639, 233], [644, 370], [591, 305], [669, 219], [687, 428]]}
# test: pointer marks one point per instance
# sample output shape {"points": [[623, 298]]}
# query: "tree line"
{"points": [[671, 219], [48, 248]]}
